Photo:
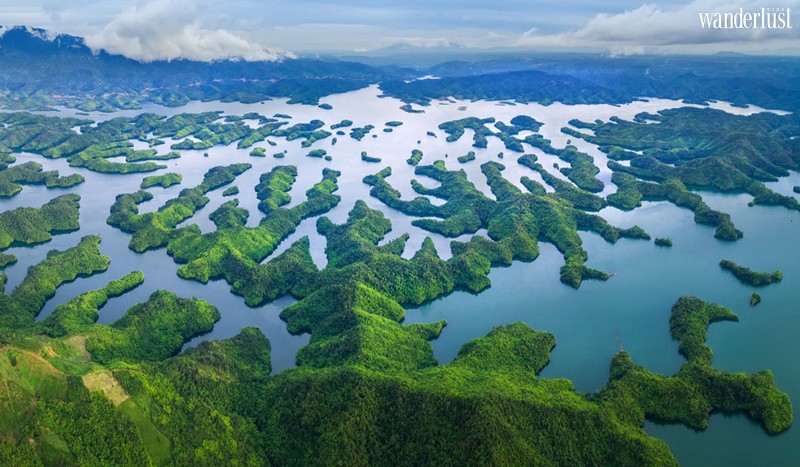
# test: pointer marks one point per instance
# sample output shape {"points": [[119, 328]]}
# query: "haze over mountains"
{"points": [[41, 68]]}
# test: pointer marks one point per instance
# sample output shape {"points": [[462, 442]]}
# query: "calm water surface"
{"points": [[630, 311]]}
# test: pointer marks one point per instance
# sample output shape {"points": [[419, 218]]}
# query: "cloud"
{"points": [[173, 30], [661, 29]]}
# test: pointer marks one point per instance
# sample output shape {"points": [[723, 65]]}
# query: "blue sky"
{"points": [[250, 29]]}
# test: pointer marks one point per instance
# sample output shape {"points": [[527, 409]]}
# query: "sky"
{"points": [[264, 30]]}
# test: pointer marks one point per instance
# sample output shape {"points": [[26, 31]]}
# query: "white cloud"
{"points": [[677, 29], [173, 30]]}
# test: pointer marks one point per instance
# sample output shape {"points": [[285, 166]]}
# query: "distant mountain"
{"points": [[40, 69], [35, 41], [770, 82], [522, 86]]}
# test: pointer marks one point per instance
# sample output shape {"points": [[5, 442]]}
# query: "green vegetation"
{"points": [[750, 277], [320, 153], [77, 315], [663, 241], [6, 260], [755, 299], [153, 330], [416, 157], [234, 252], [580, 198], [229, 215], [367, 389], [697, 389], [155, 229], [258, 152], [582, 171], [631, 192], [30, 173], [468, 157], [164, 181], [343, 124], [36, 225], [151, 155], [363, 372], [455, 130], [358, 133], [97, 147], [311, 132], [716, 151], [411, 110], [19, 308], [231, 191], [515, 221], [367, 158]]}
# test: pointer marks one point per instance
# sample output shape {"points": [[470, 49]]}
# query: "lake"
{"points": [[630, 311]]}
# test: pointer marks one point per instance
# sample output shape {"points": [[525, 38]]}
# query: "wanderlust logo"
{"points": [[764, 18]]}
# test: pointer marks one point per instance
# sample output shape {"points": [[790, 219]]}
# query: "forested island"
{"points": [[750, 277]]}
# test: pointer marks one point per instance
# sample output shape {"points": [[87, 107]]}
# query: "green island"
{"points": [[235, 252], [319, 153], [750, 277], [468, 157], [151, 155], [455, 130], [154, 229], [632, 192], [582, 171], [97, 147], [515, 221], [717, 151], [507, 133], [660, 241], [579, 197], [27, 226], [164, 181], [367, 158], [231, 191], [358, 133], [258, 152], [416, 157], [755, 299], [19, 308], [343, 124], [30, 173]]}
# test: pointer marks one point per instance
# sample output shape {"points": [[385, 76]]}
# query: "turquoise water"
{"points": [[630, 311]]}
